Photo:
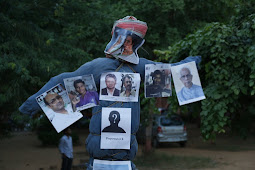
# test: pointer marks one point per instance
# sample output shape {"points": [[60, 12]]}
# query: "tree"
{"points": [[227, 69]]}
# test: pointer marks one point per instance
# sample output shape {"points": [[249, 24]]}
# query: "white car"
{"points": [[169, 128]]}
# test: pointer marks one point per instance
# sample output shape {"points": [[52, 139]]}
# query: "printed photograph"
{"points": [[157, 80], [187, 83], [117, 86], [115, 128], [82, 92], [57, 107], [124, 44]]}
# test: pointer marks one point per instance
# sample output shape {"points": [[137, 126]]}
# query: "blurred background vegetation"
{"points": [[40, 39]]}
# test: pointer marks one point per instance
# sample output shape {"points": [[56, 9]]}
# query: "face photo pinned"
{"points": [[116, 128], [157, 80], [119, 86], [187, 83], [124, 45], [82, 92], [57, 107]]}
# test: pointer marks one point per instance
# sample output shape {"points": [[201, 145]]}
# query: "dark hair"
{"points": [[124, 77], [45, 101], [66, 129], [123, 80], [78, 81], [156, 72], [111, 75]]}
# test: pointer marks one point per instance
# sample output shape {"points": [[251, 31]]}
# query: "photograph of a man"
{"points": [[126, 89], [190, 90], [158, 87], [187, 91], [85, 96], [59, 113], [114, 118], [82, 92], [110, 90]]}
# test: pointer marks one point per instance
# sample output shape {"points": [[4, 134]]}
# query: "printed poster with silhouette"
{"points": [[110, 165], [115, 128], [82, 92], [187, 83], [157, 80], [57, 107], [119, 86]]}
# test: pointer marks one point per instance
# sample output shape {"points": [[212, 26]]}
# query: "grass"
{"points": [[165, 161]]}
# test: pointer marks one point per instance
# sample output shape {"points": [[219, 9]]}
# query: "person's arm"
{"points": [[140, 68], [61, 147], [95, 67]]}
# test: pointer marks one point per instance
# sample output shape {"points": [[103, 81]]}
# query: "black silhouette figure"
{"points": [[114, 118]]}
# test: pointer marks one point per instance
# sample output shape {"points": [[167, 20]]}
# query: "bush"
{"points": [[48, 135]]}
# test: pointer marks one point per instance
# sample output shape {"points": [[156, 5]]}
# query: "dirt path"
{"points": [[23, 152]]}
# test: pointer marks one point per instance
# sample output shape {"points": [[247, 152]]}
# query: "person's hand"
{"points": [[75, 100]]}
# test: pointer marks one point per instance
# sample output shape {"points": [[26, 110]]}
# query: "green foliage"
{"points": [[227, 69], [48, 135], [40, 39]]}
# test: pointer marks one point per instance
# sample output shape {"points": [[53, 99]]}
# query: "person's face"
{"points": [[55, 101], [157, 79], [186, 78], [80, 88], [128, 41], [69, 131], [128, 84], [110, 83]]}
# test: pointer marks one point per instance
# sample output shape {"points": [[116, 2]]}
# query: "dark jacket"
{"points": [[115, 93]]}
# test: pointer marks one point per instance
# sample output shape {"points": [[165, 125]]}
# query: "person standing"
{"points": [[66, 149]]}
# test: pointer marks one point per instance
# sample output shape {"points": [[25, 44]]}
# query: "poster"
{"points": [[57, 107], [119, 86], [82, 92], [187, 83], [157, 80], [115, 128]]}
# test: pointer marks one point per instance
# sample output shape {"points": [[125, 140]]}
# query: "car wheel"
{"points": [[182, 144], [155, 143]]}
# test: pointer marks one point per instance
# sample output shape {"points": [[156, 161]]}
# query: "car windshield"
{"points": [[171, 121]]}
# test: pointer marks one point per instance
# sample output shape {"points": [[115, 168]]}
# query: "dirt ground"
{"points": [[23, 151]]}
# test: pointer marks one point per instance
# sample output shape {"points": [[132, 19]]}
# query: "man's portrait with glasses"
{"points": [[189, 90], [57, 107]]}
